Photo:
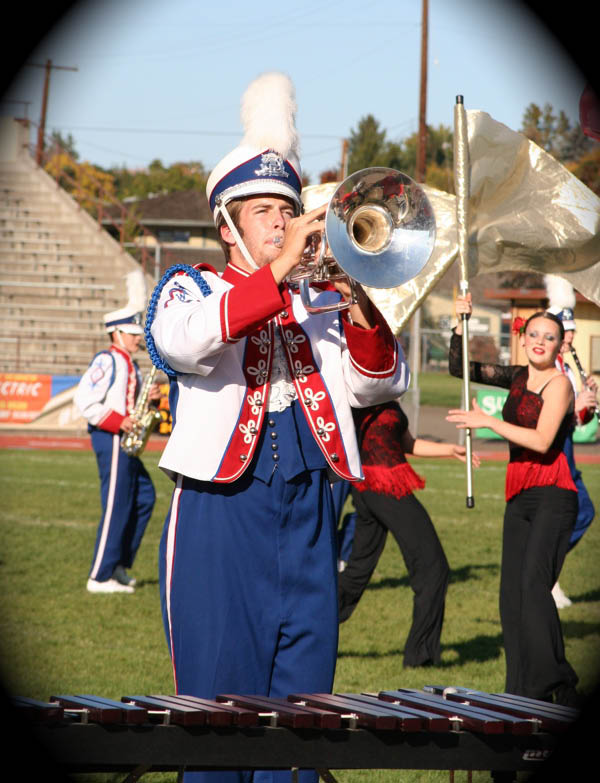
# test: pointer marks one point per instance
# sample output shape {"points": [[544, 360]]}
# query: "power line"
{"points": [[178, 131], [47, 66]]}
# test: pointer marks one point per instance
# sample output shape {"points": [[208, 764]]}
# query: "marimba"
{"points": [[436, 728]]}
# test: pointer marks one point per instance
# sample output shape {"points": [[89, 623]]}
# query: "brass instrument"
{"points": [[145, 420], [379, 231], [584, 378]]}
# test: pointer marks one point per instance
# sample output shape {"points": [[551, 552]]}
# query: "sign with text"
{"points": [[491, 401], [23, 396]]}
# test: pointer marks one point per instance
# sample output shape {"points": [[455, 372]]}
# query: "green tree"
{"points": [[159, 179], [86, 183], [60, 143], [587, 169], [554, 133], [439, 157], [367, 145]]}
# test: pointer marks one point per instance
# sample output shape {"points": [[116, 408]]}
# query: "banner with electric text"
{"points": [[23, 396]]}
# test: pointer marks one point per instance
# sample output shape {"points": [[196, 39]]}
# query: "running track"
{"points": [[52, 442]]}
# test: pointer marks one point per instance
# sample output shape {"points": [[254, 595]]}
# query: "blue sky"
{"points": [[160, 79]]}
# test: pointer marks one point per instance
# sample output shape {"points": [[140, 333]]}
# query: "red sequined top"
{"points": [[380, 429], [526, 468]]}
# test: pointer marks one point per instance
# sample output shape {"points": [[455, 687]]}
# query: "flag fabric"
{"points": [[527, 212]]}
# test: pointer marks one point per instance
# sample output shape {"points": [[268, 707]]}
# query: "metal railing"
{"points": [[492, 347]]}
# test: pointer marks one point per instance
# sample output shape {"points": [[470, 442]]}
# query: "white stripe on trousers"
{"points": [[170, 554], [110, 501]]}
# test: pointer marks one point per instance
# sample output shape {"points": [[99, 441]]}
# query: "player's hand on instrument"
{"points": [[343, 286], [585, 399], [460, 452], [127, 424], [361, 312], [473, 419], [294, 240], [154, 392]]}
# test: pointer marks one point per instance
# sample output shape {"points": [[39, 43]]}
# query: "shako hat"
{"points": [[561, 300], [266, 161], [129, 318]]}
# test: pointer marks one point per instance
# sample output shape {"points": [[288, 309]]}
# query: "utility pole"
{"points": [[48, 66], [415, 322], [344, 165], [422, 140]]}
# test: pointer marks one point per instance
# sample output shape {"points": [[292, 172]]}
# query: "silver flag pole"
{"points": [[461, 187]]}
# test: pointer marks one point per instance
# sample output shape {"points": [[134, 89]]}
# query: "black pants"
{"points": [[537, 526], [425, 561]]}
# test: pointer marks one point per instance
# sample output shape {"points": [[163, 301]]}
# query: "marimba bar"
{"points": [[436, 728]]}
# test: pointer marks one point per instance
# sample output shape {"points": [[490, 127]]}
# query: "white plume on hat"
{"points": [[130, 316], [560, 292], [561, 299], [268, 113], [266, 162]]}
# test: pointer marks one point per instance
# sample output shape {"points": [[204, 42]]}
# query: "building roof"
{"points": [[524, 295], [182, 207], [178, 255]]}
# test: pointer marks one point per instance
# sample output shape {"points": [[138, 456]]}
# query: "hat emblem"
{"points": [[271, 165], [566, 314]]}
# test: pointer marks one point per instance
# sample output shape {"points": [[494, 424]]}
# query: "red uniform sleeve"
{"points": [[250, 303], [373, 352], [111, 422]]}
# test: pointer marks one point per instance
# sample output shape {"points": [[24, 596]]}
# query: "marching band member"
{"points": [[262, 417], [106, 396], [561, 301]]}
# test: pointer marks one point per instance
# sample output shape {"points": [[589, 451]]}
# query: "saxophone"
{"points": [[144, 418], [584, 378]]}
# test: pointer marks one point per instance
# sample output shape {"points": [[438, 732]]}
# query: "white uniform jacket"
{"points": [[221, 346], [107, 390]]}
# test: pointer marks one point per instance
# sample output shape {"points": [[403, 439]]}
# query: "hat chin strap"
{"points": [[236, 235], [120, 343]]}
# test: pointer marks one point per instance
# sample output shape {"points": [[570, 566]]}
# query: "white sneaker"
{"points": [[122, 577], [110, 586], [560, 599]]}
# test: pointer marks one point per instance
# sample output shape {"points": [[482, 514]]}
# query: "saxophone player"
{"points": [[106, 397], [585, 406]]}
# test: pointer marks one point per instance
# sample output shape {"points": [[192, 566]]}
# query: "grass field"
{"points": [[440, 389], [57, 638]]}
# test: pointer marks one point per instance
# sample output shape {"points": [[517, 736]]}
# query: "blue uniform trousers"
{"points": [[248, 587], [127, 496], [585, 507], [347, 525]]}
